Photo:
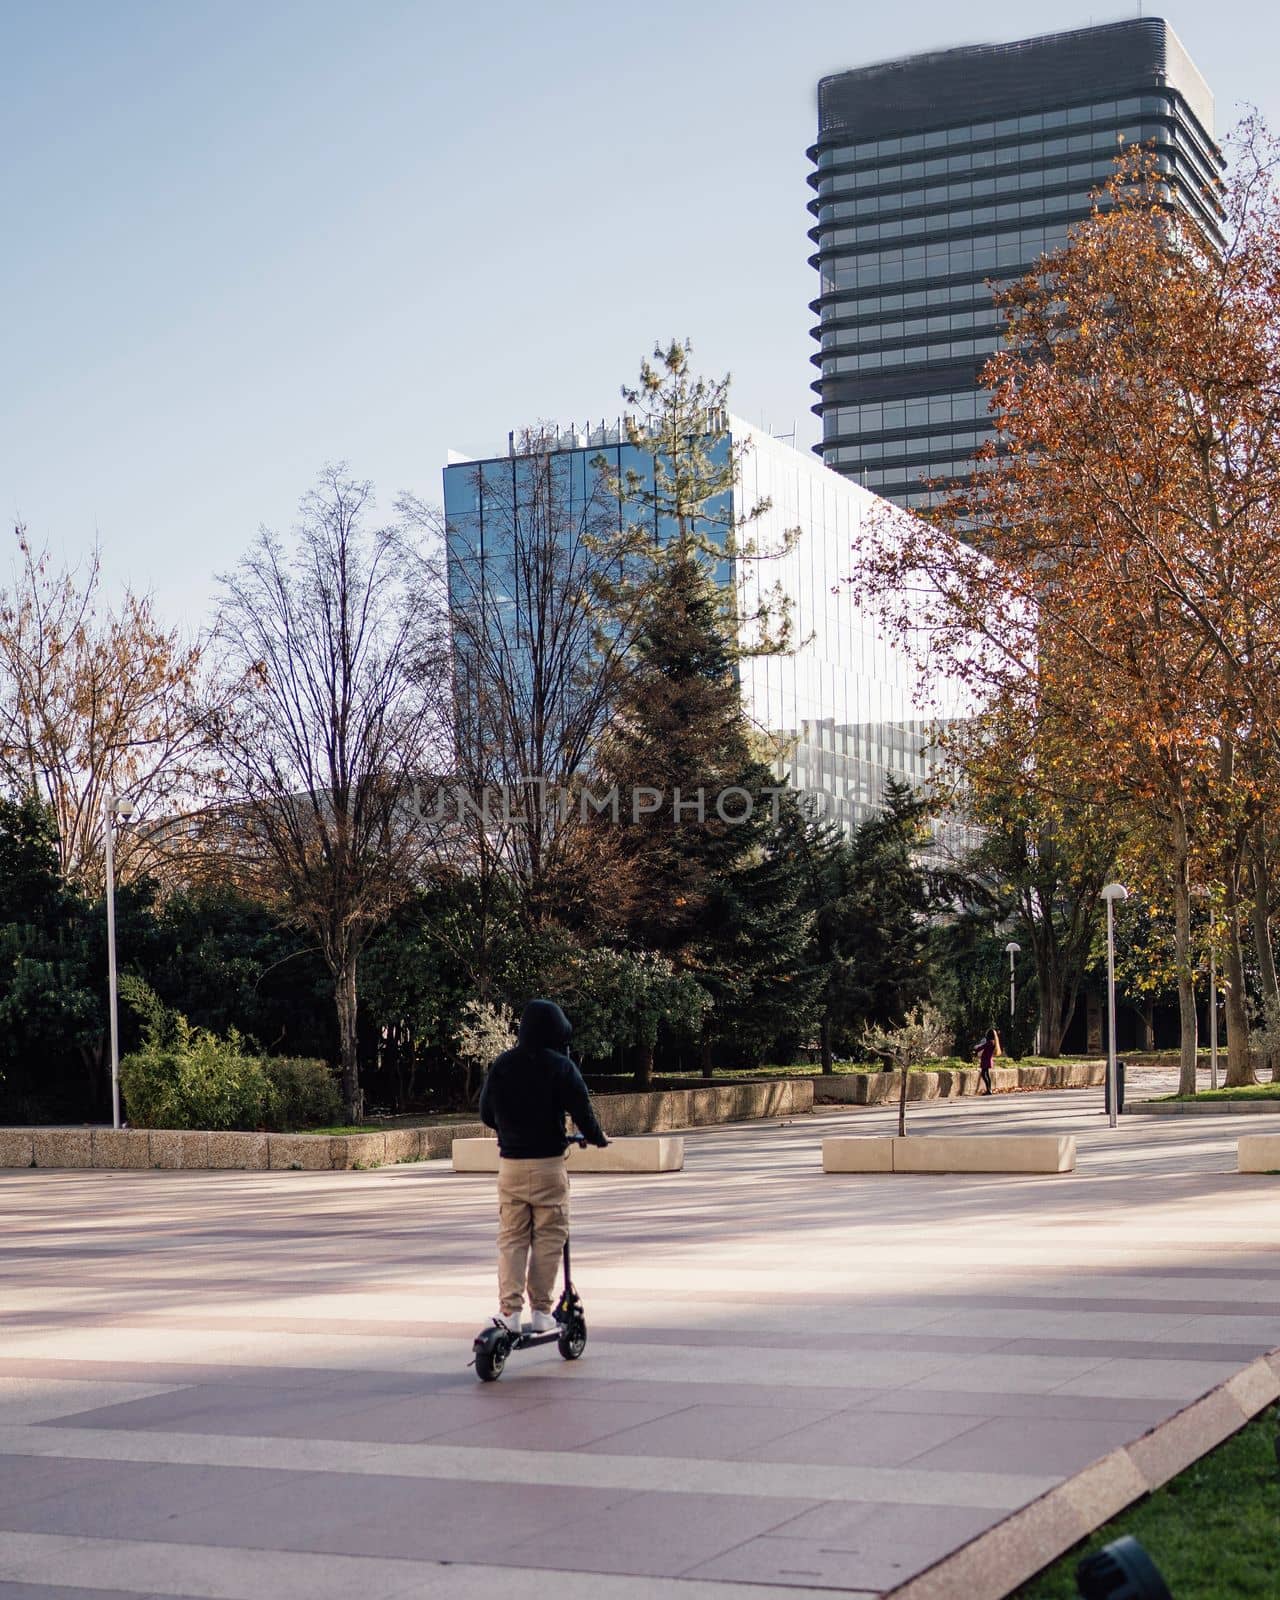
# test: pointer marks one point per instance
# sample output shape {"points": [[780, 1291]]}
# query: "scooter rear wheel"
{"points": [[573, 1340]]}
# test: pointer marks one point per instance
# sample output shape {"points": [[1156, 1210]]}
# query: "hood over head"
{"points": [[544, 1026]]}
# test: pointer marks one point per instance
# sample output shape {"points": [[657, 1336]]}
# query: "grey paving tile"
{"points": [[24, 1479]]}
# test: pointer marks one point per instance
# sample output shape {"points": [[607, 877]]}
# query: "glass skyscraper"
{"points": [[938, 172]]}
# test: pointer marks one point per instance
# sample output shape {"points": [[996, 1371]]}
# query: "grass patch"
{"points": [[1211, 1530], [1248, 1091], [350, 1127]]}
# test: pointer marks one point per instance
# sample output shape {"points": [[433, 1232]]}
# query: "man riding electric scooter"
{"points": [[527, 1093]]}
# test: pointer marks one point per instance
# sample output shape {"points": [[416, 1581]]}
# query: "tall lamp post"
{"points": [[1111, 893], [1213, 1014], [1012, 950], [117, 808]]}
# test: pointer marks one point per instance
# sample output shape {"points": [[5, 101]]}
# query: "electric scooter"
{"points": [[494, 1344]]}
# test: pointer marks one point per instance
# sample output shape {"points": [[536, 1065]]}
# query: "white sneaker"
{"points": [[543, 1322], [509, 1320]]}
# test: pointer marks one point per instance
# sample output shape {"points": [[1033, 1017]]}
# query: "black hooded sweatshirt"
{"points": [[527, 1091]]}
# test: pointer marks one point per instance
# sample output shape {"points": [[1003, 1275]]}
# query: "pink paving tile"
{"points": [[653, 1535], [755, 1396], [135, 1500], [424, 1519], [853, 1525], [987, 1404], [27, 1478], [710, 1432], [568, 1424], [1020, 1445], [861, 1439], [811, 1564]]}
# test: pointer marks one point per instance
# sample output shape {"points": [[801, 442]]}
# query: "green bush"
{"points": [[304, 1093], [185, 1077], [202, 1082]]}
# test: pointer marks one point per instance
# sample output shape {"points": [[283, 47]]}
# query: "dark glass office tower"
{"points": [[938, 172]]}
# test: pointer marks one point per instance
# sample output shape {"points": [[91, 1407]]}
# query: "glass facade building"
{"points": [[938, 173], [847, 709]]}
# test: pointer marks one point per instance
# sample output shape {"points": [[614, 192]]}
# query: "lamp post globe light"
{"points": [[1012, 950], [117, 808], [1111, 893]]}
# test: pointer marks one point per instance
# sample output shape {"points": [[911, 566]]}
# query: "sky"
{"points": [[241, 240]]}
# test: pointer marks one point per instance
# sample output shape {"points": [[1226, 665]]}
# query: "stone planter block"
{"points": [[1000, 1152], [62, 1147], [997, 1152], [357, 1149], [238, 1152], [404, 1144], [179, 1149], [870, 1153], [648, 1153], [1258, 1152], [17, 1147], [286, 1151], [121, 1147]]}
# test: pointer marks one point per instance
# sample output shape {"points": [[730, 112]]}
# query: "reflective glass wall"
{"points": [[840, 714]]}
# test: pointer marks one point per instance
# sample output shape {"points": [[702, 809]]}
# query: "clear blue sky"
{"points": [[239, 240]]}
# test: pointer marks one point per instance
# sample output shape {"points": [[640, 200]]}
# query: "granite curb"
{"points": [[951, 1083], [994, 1564], [1201, 1108], [623, 1115]]}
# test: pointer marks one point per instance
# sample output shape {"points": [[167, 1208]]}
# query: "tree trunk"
{"points": [[828, 1065], [708, 1066], [1260, 887], [1188, 1038], [644, 1066], [902, 1104], [1239, 1067], [344, 989], [1093, 1025]]}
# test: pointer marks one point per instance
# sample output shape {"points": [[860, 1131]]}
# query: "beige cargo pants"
{"points": [[533, 1224]]}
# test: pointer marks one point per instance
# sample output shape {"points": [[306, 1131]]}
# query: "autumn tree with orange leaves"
{"points": [[95, 701], [1110, 576]]}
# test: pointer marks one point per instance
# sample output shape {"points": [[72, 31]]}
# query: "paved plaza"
{"points": [[250, 1385]]}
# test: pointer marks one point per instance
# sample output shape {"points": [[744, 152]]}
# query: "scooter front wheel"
{"points": [[491, 1357], [573, 1340]]}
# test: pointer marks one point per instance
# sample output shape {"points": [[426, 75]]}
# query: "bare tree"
{"points": [[94, 702], [330, 717]]}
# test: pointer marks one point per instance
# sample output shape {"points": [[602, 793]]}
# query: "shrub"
{"points": [[200, 1082], [185, 1077], [304, 1093]]}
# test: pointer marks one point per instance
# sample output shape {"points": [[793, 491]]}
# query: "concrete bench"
{"points": [[997, 1152], [648, 1153], [1258, 1152]]}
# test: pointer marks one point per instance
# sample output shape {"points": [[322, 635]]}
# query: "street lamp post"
{"points": [[119, 807], [1213, 1016], [1012, 950], [1111, 893]]}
